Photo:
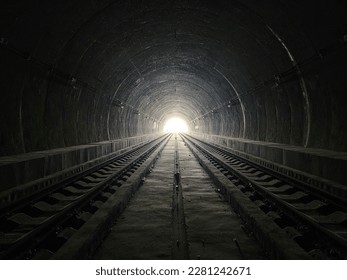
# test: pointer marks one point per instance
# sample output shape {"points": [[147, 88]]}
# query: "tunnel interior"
{"points": [[266, 78], [85, 82], [78, 72]]}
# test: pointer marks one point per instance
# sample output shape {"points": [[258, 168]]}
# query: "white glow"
{"points": [[175, 125]]}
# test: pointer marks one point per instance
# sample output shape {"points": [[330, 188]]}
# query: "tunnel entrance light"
{"points": [[175, 125]]}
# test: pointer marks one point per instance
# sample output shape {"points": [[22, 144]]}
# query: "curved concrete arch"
{"points": [[70, 71]]}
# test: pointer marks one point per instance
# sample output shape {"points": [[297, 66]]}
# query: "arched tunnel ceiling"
{"points": [[235, 68]]}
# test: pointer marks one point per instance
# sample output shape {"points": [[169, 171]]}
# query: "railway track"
{"points": [[178, 214], [39, 226], [314, 219], [226, 207]]}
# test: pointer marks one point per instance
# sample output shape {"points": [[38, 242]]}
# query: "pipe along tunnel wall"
{"points": [[81, 79]]}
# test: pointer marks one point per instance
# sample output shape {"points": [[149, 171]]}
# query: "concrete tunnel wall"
{"points": [[79, 72]]}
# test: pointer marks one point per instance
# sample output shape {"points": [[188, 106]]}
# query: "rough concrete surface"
{"points": [[144, 230]]}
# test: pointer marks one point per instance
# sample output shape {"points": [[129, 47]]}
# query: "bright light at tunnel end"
{"points": [[175, 125]]}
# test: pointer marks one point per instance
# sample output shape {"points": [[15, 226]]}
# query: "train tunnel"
{"points": [[82, 80]]}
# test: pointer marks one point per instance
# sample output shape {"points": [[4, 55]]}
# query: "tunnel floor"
{"points": [[176, 197], [145, 230]]}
